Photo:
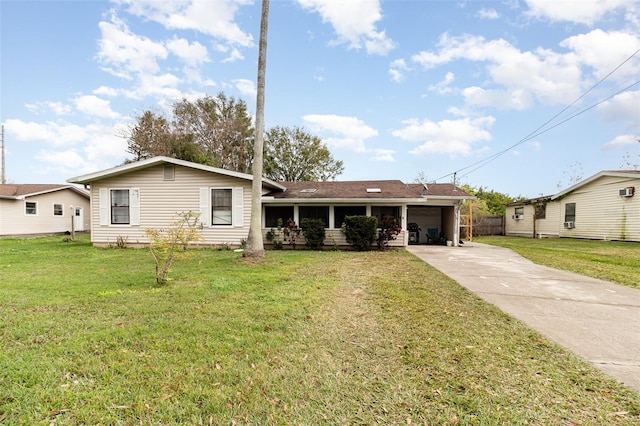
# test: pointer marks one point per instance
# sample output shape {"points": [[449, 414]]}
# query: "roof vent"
{"points": [[371, 190]]}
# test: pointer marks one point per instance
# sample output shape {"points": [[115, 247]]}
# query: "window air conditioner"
{"points": [[627, 192], [570, 225], [517, 216]]}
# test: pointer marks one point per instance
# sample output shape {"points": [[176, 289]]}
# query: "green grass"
{"points": [[615, 261], [299, 338]]}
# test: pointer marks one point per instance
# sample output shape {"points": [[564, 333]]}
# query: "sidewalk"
{"points": [[596, 320]]}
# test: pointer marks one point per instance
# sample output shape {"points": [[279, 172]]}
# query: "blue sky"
{"points": [[396, 89]]}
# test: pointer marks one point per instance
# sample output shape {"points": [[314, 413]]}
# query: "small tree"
{"points": [[389, 229], [167, 245], [314, 232], [291, 233], [360, 231]]}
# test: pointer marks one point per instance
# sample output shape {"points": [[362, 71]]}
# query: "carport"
{"points": [[434, 221]]}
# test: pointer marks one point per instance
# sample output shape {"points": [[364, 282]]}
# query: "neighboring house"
{"points": [[605, 206], [42, 209], [148, 194]]}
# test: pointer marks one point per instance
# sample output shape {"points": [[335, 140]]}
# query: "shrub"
{"points": [[389, 229], [360, 231], [171, 243], [273, 235], [313, 231], [291, 232]]}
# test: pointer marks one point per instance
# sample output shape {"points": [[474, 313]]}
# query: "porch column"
{"points": [[456, 224]]}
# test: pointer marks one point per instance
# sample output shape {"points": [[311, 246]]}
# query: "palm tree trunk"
{"points": [[255, 245]]}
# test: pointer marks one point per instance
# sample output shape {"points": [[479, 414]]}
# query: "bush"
{"points": [[313, 231], [389, 230], [360, 231]]}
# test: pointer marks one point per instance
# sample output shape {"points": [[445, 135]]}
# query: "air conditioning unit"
{"points": [[517, 216], [627, 192], [570, 225]]}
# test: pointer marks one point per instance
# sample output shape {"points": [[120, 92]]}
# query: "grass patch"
{"points": [[298, 338], [614, 261]]}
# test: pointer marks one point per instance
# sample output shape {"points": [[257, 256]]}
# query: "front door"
{"points": [[78, 219]]}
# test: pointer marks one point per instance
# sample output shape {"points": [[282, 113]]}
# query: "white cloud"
{"points": [[105, 91], [354, 22], [93, 105], [384, 155], [444, 86], [624, 107], [488, 14], [621, 141], [584, 12], [552, 78], [50, 132], [124, 53], [234, 56], [215, 18], [246, 87], [341, 131], [58, 108], [192, 54], [446, 136], [397, 69], [604, 51]]}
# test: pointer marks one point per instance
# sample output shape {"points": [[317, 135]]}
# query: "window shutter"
{"points": [[205, 214], [238, 206], [104, 206], [134, 206]]}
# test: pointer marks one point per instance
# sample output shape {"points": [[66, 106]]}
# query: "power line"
{"points": [[538, 131]]}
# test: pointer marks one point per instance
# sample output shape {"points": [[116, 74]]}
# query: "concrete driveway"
{"points": [[595, 319]]}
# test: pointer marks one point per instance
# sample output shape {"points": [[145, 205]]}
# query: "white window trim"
{"points": [[54, 210], [105, 207], [25, 208], [237, 207], [221, 225]]}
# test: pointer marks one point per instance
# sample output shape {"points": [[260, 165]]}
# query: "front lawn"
{"points": [[614, 261], [299, 338]]}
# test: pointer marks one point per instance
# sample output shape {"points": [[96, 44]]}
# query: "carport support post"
{"points": [[456, 224]]}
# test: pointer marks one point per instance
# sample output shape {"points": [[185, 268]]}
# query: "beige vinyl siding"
{"points": [[14, 221], [521, 227], [550, 225], [161, 200], [601, 213]]}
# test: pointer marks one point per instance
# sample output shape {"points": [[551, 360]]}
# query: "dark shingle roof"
{"points": [[366, 189]]}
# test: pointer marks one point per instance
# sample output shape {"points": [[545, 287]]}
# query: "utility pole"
{"points": [[3, 180]]}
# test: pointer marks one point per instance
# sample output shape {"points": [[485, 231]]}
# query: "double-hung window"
{"points": [[221, 206], [30, 208], [58, 210], [120, 214], [119, 206], [570, 212]]}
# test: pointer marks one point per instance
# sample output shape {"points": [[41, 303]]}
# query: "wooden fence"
{"points": [[482, 225]]}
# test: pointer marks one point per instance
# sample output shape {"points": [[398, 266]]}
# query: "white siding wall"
{"points": [[14, 221], [603, 214], [161, 199], [521, 227], [550, 225]]}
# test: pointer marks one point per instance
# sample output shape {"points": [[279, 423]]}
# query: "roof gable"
{"points": [[150, 162], [629, 174]]}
